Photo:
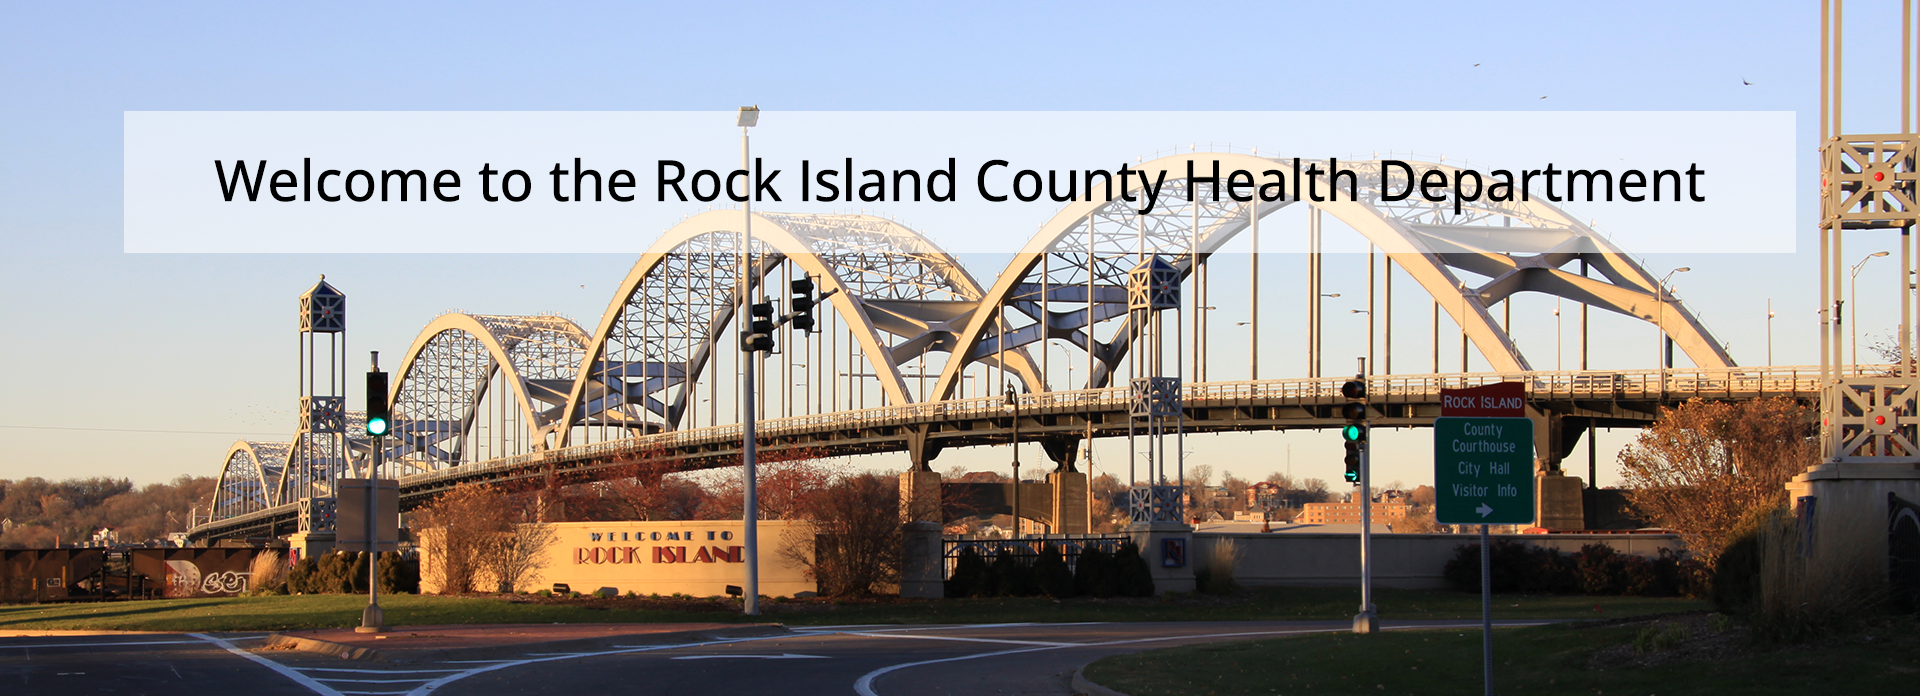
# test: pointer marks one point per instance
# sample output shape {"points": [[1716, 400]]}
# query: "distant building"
{"points": [[1265, 495], [1349, 513]]}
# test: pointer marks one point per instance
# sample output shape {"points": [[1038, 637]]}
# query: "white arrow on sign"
{"points": [[785, 656], [1483, 510]]}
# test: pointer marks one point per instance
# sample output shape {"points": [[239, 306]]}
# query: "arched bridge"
{"points": [[913, 352]]}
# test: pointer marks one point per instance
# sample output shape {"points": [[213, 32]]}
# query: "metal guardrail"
{"points": [[1799, 381]]}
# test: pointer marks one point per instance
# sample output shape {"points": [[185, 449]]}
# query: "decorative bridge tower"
{"points": [[1869, 416], [320, 450], [1153, 286]]}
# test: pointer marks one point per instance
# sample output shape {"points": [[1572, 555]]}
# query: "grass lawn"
{"points": [[1269, 603], [1557, 659]]}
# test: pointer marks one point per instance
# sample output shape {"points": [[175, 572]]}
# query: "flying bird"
{"points": [[1543, 97], [1745, 82], [1476, 65]]}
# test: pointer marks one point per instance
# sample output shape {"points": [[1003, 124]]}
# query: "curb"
{"points": [[281, 641], [1081, 685]]}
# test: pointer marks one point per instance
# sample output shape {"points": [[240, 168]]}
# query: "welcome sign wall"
{"points": [[699, 558]]}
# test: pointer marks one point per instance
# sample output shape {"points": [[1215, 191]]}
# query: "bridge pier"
{"points": [[1558, 497], [920, 496]]}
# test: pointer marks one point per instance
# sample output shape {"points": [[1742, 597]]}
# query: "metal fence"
{"points": [[1026, 550]]}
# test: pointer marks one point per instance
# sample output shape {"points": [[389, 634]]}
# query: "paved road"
{"points": [[864, 660]]}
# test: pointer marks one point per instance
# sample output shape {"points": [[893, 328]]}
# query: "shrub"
{"points": [[1134, 578], [1050, 574], [1093, 573], [1657, 638], [1596, 569], [268, 575], [1010, 578], [1807, 591], [303, 577], [1736, 573], [399, 574], [1600, 569], [1215, 574], [970, 577]]}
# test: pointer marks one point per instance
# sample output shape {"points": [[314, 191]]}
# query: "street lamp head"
{"points": [[1878, 254], [1330, 294], [749, 117], [1359, 311], [1683, 269]]}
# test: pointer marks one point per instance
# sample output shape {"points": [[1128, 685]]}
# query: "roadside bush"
{"points": [[970, 577], [1820, 584], [1215, 572], [1093, 574], [1010, 578], [1595, 570], [399, 574], [301, 578], [1736, 573], [1050, 574], [1135, 579], [267, 574]]}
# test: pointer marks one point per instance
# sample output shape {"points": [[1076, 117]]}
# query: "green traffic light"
{"points": [[1354, 433], [377, 426]]}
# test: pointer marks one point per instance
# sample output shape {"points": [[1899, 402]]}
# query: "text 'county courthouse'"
{"points": [[1349, 513]]}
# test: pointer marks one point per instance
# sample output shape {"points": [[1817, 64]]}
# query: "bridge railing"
{"points": [[1739, 382], [1664, 385]]}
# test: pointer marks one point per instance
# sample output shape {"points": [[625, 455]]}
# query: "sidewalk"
{"points": [[485, 641]]}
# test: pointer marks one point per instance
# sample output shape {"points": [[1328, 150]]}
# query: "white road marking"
{"points": [[782, 656], [375, 671], [428, 687], [963, 639], [284, 671], [864, 685]]}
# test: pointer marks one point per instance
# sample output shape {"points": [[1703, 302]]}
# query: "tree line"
{"points": [[38, 513]]}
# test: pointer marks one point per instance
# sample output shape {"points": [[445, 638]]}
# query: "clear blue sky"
{"points": [[104, 341]]}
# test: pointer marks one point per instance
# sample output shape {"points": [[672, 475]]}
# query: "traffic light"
{"points": [[379, 421], [803, 302], [760, 332], [1355, 431]]}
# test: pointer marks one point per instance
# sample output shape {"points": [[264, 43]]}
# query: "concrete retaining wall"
{"points": [[1400, 560]]}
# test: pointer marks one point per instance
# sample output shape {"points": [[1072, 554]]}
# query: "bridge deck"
{"points": [[1609, 398]]}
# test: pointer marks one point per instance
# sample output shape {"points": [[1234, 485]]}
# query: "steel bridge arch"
{"points": [[1426, 239], [250, 477], [856, 255], [535, 355]]}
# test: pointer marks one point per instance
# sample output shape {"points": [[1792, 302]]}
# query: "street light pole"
{"points": [[1661, 354], [1769, 331], [1013, 401], [1853, 298], [750, 514]]}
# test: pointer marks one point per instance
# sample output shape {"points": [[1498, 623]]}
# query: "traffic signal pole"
{"points": [[750, 514], [379, 421], [1366, 621]]}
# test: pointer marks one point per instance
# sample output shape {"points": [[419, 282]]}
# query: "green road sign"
{"points": [[1483, 470]]}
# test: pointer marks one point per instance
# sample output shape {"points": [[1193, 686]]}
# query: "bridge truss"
{"points": [[910, 328]]}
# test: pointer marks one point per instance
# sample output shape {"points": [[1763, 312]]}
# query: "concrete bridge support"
{"points": [[1557, 496]]}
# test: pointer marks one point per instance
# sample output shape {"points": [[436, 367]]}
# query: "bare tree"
{"points": [[483, 536], [1704, 465], [853, 544]]}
